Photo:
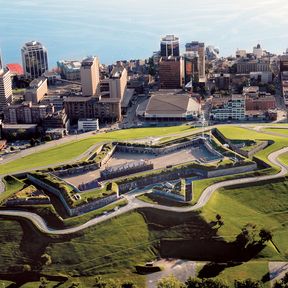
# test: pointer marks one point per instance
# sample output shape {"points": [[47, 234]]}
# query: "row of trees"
{"points": [[172, 282]]}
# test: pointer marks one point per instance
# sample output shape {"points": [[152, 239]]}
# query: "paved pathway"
{"points": [[180, 269], [277, 270], [134, 203]]}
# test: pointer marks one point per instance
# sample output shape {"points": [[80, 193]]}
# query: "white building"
{"points": [[6, 95], [258, 51], [233, 109], [86, 125]]}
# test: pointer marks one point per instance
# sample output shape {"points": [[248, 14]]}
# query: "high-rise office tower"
{"points": [[6, 95], [198, 47], [169, 46], [35, 59], [90, 76], [1, 63]]}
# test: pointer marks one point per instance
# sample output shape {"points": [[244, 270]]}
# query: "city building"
{"points": [[169, 46], [283, 63], [169, 105], [36, 91], [69, 70], [15, 69], [34, 59], [106, 105], [212, 53], [228, 108], [198, 47], [222, 81], [90, 76], [6, 95], [260, 103], [171, 73], [258, 51], [262, 77], [56, 120], [26, 113], [191, 66], [241, 53], [251, 91], [246, 66], [86, 125]]}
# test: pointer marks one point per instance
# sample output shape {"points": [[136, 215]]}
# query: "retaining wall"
{"points": [[93, 205]]}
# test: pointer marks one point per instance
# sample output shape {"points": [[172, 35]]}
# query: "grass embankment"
{"points": [[254, 270], [69, 151], [264, 204], [237, 133], [112, 249], [283, 131], [155, 199], [12, 186]]}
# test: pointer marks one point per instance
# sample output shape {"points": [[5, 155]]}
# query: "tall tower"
{"points": [[169, 46], [90, 78], [198, 47], [6, 95], [1, 63], [35, 59]]}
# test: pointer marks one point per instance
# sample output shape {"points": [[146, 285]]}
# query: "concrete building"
{"points": [[241, 53], [36, 91], [251, 91], [56, 120], [90, 76], [262, 77], [198, 47], [171, 73], [86, 125], [69, 70], [222, 81], [283, 63], [232, 108], [26, 113], [169, 46], [106, 105], [246, 66], [169, 105], [258, 51], [6, 95], [191, 66], [260, 103], [35, 59]]}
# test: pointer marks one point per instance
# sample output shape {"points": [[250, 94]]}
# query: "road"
{"points": [[134, 203]]}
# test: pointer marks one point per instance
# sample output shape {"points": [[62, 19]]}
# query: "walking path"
{"points": [[134, 203]]}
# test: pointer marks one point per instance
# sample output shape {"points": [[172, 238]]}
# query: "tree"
{"points": [[265, 235], [193, 283], [46, 259], [169, 282], [43, 282], [128, 284], [247, 235], [248, 283]]}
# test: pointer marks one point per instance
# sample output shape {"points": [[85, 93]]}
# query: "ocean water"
{"points": [[127, 29]]}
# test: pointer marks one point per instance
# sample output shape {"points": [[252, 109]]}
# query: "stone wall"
{"points": [[238, 150], [93, 205], [27, 201]]}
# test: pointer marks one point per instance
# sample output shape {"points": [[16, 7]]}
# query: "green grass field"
{"points": [[237, 133], [69, 151], [264, 204], [254, 270], [283, 131], [110, 248]]}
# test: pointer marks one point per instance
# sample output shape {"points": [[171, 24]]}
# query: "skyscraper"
{"points": [[1, 63], [198, 47], [169, 46], [35, 60], [90, 78], [6, 95]]}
